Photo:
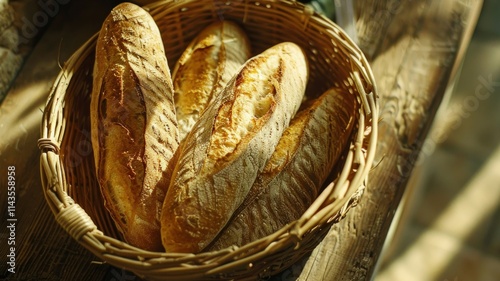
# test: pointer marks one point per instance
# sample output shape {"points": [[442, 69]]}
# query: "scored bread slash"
{"points": [[230, 144], [208, 63], [133, 124], [297, 170]]}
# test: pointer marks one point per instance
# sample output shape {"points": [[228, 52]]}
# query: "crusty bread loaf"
{"points": [[133, 124], [208, 63], [295, 173], [222, 155]]}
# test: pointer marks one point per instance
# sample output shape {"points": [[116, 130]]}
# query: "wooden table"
{"points": [[415, 48]]}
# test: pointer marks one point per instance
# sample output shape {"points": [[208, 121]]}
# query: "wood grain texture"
{"points": [[413, 68], [44, 251], [412, 65]]}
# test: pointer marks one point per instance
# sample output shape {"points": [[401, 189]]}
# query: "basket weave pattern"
{"points": [[67, 166]]}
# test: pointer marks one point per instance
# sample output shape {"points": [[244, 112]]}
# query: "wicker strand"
{"points": [[245, 12], [75, 221], [48, 144], [308, 12]]}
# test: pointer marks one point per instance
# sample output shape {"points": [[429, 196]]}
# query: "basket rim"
{"points": [[330, 206]]}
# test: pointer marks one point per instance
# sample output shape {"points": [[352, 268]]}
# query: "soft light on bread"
{"points": [[295, 173], [236, 135], [133, 124], [208, 63]]}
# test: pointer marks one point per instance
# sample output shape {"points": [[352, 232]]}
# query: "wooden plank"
{"points": [[43, 250], [412, 68]]}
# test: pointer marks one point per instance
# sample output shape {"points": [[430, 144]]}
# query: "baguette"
{"points": [[133, 123], [204, 68], [295, 173], [221, 156]]}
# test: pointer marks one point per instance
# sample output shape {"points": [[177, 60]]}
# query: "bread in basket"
{"points": [[67, 166]]}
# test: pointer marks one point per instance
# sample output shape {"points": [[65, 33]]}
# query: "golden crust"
{"points": [[205, 67], [293, 176], [214, 174], [134, 131]]}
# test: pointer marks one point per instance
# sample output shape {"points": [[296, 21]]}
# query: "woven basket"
{"points": [[67, 166]]}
